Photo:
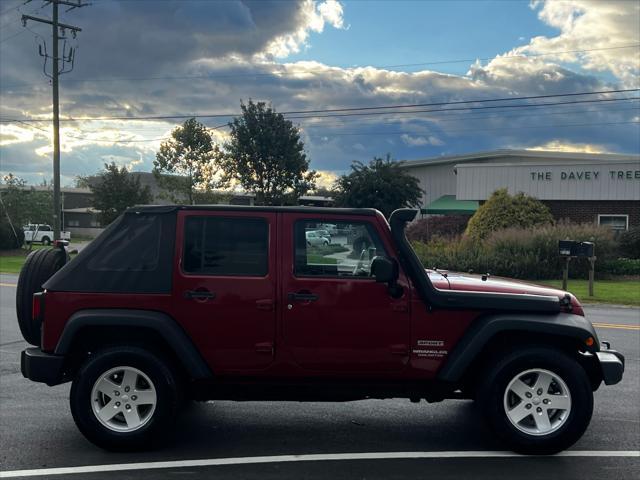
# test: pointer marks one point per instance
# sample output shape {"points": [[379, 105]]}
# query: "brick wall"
{"points": [[586, 211]]}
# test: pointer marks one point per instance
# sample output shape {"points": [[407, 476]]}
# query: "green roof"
{"points": [[447, 204]]}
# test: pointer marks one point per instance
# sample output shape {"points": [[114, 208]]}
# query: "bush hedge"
{"points": [[8, 240], [445, 226], [621, 266], [502, 210], [526, 253], [630, 243]]}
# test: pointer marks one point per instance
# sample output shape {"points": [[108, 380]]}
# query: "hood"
{"points": [[445, 280]]}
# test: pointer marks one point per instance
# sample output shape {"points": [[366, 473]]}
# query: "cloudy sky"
{"points": [[137, 59]]}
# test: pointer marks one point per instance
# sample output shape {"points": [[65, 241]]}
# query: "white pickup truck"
{"points": [[40, 232]]}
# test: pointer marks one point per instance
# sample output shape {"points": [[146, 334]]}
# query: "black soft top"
{"points": [[135, 253]]}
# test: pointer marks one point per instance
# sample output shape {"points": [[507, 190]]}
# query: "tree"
{"points": [[20, 205], [382, 184], [114, 190], [502, 210], [266, 156], [187, 161]]}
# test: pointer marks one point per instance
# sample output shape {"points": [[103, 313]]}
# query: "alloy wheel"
{"points": [[123, 399], [537, 402]]}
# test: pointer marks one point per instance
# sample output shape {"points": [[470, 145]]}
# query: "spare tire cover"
{"points": [[38, 267]]}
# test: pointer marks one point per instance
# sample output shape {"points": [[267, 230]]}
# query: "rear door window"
{"points": [[226, 246]]}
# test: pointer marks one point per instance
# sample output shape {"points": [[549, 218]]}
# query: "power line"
{"points": [[14, 8], [336, 111], [523, 55], [457, 110], [312, 71], [18, 7], [471, 116], [410, 132], [460, 109], [12, 36], [522, 127], [384, 133]]}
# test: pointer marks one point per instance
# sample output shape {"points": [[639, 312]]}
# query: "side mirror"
{"points": [[384, 270]]}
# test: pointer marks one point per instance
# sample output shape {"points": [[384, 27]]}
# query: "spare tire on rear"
{"points": [[39, 266]]}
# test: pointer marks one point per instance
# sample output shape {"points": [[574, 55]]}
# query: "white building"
{"points": [[582, 187]]}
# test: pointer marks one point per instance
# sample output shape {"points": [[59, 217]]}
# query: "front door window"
{"points": [[345, 251]]}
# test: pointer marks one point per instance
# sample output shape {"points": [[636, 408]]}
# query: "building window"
{"points": [[73, 223], [614, 222], [94, 224]]}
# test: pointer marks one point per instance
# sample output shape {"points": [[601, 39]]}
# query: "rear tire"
{"points": [[103, 404], [519, 394], [46, 241], [39, 266]]}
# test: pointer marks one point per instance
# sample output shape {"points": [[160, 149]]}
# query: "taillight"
{"points": [[36, 306]]}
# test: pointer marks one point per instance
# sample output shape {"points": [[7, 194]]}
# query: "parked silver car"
{"points": [[316, 239]]}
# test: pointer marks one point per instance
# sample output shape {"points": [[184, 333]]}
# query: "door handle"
{"points": [[302, 297], [199, 295]]}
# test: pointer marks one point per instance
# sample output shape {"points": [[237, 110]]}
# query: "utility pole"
{"points": [[58, 32]]}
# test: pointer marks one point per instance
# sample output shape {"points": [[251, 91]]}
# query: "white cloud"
{"points": [[420, 141], [314, 18], [326, 179], [592, 25], [563, 146]]}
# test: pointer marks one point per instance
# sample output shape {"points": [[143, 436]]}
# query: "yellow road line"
{"points": [[8, 285], [617, 326]]}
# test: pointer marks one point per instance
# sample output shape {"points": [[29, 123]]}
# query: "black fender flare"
{"points": [[486, 327], [162, 324]]}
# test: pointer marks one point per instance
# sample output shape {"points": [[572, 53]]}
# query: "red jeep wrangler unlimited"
{"points": [[237, 303]]}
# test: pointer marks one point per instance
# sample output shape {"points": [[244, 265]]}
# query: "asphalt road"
{"points": [[37, 431]]}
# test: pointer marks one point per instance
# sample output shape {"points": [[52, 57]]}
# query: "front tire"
{"points": [[125, 398], [537, 400]]}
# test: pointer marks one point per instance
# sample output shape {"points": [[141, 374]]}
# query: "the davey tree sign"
{"points": [[538, 175], [551, 180]]}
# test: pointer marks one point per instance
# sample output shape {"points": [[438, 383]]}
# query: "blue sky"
{"points": [[188, 57], [401, 32]]}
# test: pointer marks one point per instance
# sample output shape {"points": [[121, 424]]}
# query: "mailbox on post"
{"points": [[566, 248], [569, 249], [585, 249]]}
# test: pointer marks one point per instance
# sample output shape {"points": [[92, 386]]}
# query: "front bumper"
{"points": [[611, 364], [42, 367]]}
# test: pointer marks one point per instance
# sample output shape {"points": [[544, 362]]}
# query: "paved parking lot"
{"points": [[402, 439]]}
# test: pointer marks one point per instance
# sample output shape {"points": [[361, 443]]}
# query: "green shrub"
{"points": [[620, 266], [461, 254], [441, 225], [630, 243], [8, 240], [502, 211], [526, 253]]}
